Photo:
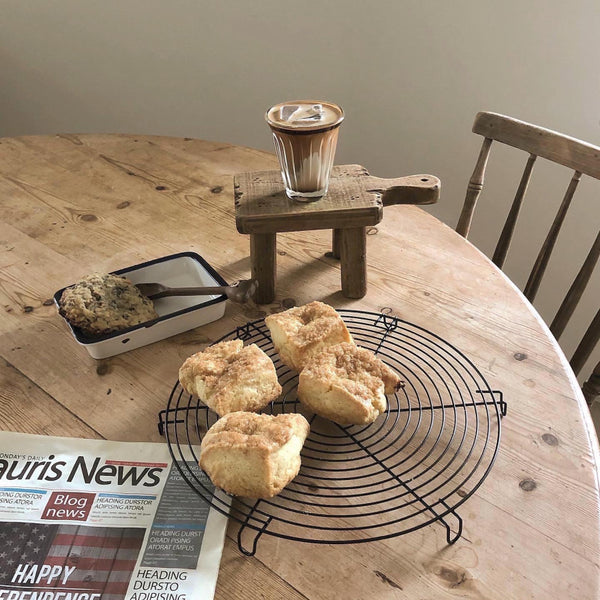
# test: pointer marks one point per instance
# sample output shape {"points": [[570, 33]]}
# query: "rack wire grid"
{"points": [[415, 465]]}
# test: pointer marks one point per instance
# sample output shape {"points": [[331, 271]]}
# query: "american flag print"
{"points": [[100, 559]]}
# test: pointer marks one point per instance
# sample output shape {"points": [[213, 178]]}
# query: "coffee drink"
{"points": [[305, 134]]}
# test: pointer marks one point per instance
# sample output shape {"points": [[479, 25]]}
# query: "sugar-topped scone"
{"points": [[101, 303], [301, 332], [229, 376], [253, 455], [347, 384]]}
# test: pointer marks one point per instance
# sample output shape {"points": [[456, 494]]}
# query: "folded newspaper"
{"points": [[93, 519]]}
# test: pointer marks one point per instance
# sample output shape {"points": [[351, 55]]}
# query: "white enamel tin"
{"points": [[176, 313]]}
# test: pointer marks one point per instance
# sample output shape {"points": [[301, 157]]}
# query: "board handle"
{"points": [[412, 189]]}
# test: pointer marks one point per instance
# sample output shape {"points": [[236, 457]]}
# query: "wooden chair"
{"points": [[584, 159]]}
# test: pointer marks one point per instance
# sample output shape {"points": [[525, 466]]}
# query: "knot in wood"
{"points": [[550, 439], [527, 485], [454, 577]]}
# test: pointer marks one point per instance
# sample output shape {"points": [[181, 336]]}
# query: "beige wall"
{"points": [[410, 74]]}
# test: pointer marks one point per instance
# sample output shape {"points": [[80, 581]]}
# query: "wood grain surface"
{"points": [[73, 204]]}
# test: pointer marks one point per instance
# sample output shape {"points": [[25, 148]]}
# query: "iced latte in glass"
{"points": [[305, 136]]}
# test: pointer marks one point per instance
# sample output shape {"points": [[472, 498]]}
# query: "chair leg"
{"points": [[591, 388]]}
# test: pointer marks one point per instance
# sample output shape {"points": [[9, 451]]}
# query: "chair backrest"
{"points": [[584, 159]]}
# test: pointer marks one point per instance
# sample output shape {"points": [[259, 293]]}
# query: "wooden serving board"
{"points": [[355, 199]]}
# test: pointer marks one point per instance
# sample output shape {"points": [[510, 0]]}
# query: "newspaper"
{"points": [[93, 519]]}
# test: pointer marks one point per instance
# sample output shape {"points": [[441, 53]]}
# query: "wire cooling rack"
{"points": [[415, 465]]}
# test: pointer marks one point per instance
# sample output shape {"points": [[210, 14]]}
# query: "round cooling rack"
{"points": [[415, 465]]}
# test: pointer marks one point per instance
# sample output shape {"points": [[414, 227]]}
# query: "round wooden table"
{"points": [[74, 204]]}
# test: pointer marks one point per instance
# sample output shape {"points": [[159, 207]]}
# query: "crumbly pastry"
{"points": [[301, 332], [347, 384], [229, 376], [253, 455], [102, 303]]}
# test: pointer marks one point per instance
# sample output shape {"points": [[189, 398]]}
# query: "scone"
{"points": [[252, 455], [102, 303], [229, 376], [347, 384], [301, 332]]}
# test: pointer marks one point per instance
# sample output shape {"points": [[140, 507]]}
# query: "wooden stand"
{"points": [[355, 201]]}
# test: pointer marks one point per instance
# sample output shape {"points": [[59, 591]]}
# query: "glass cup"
{"points": [[305, 134]]}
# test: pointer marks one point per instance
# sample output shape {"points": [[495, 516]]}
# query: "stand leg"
{"points": [[353, 254], [335, 243], [262, 255]]}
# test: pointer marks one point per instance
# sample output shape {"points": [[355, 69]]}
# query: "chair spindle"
{"points": [[539, 268], [591, 388], [474, 189], [576, 290], [509, 227], [587, 344]]}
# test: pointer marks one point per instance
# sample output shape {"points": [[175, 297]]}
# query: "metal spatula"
{"points": [[240, 291]]}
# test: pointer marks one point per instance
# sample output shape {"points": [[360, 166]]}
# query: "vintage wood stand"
{"points": [[355, 201]]}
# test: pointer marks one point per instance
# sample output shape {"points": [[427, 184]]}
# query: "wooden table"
{"points": [[73, 204]]}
